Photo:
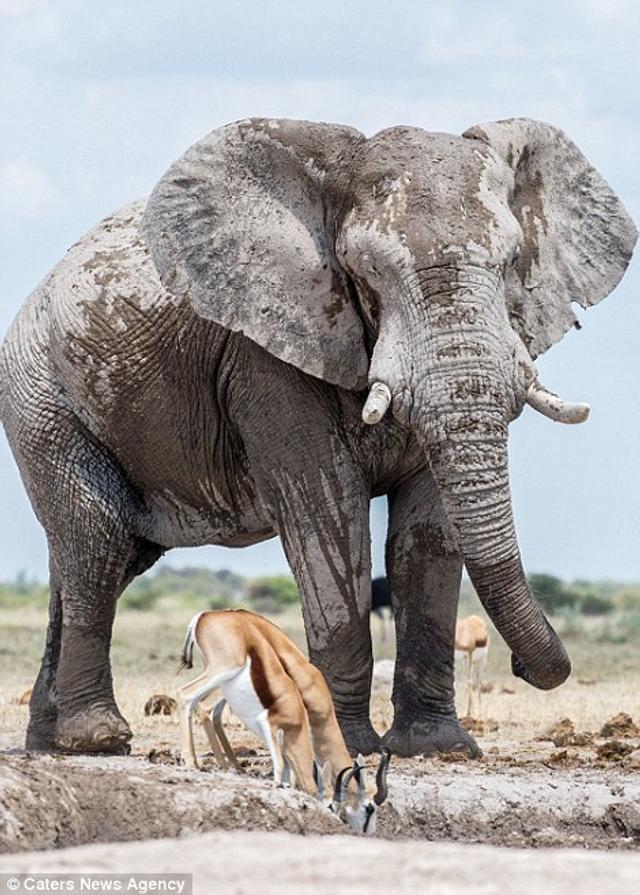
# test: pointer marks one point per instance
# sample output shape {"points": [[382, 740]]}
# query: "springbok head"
{"points": [[358, 807]]}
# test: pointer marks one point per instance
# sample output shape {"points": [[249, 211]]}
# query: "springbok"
{"points": [[284, 700], [472, 639]]}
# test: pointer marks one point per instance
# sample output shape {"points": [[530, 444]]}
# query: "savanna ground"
{"points": [[583, 790]]}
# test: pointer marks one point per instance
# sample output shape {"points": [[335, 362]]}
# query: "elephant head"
{"points": [[434, 267]]}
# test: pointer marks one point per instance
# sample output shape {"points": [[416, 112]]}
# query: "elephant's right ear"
{"points": [[243, 225]]}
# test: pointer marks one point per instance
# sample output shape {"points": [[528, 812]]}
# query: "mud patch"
{"points": [[563, 733], [160, 704], [57, 801], [52, 802], [614, 750], [621, 725]]}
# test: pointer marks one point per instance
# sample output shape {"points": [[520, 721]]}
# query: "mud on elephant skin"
{"points": [[299, 319]]}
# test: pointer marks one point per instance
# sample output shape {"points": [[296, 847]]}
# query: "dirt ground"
{"points": [[284, 864], [540, 783]]}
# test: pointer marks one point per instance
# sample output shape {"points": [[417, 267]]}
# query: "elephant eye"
{"points": [[516, 254]]}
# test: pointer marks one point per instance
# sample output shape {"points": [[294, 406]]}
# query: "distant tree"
{"points": [[592, 603], [272, 593], [551, 592]]}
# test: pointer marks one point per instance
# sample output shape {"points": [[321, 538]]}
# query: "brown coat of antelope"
{"points": [[472, 639], [284, 700]]}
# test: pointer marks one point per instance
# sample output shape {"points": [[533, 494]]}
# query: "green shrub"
{"points": [[552, 593], [20, 595], [594, 604], [627, 597], [611, 632], [624, 627], [140, 599], [272, 593], [570, 622]]}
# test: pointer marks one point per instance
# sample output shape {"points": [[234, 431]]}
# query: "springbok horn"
{"points": [[340, 788], [358, 773], [377, 402], [343, 780], [381, 777], [549, 404]]}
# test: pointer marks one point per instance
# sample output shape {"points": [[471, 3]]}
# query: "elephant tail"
{"points": [[189, 640]]}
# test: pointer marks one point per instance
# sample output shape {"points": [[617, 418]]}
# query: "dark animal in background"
{"points": [[381, 605]]}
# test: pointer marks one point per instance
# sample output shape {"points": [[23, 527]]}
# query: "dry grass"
{"points": [[147, 645]]}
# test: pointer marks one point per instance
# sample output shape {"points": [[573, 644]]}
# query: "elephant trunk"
{"points": [[470, 467], [463, 395]]}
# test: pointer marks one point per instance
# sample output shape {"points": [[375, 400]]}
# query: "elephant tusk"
{"points": [[549, 404], [376, 404]]}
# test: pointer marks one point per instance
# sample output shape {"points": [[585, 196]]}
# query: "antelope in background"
{"points": [[472, 640], [284, 700]]}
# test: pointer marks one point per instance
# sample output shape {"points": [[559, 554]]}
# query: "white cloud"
{"points": [[25, 189]]}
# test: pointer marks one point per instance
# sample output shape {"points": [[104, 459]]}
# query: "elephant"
{"points": [[298, 319]]}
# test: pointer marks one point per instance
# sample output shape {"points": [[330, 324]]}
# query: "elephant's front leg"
{"points": [[323, 519], [424, 570]]}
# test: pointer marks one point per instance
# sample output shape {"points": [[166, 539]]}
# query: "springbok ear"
{"points": [[244, 225], [578, 237]]}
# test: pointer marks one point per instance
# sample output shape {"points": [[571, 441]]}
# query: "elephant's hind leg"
{"points": [[43, 712], [88, 511]]}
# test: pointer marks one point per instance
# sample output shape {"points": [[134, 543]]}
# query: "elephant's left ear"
{"points": [[578, 237], [243, 225]]}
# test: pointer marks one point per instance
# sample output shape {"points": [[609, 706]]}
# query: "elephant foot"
{"points": [[41, 735], [430, 736], [360, 736], [93, 729]]}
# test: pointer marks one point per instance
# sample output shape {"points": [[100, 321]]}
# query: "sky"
{"points": [[97, 99]]}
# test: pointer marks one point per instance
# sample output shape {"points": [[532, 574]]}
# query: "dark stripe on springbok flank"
{"points": [[259, 679], [481, 643]]}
